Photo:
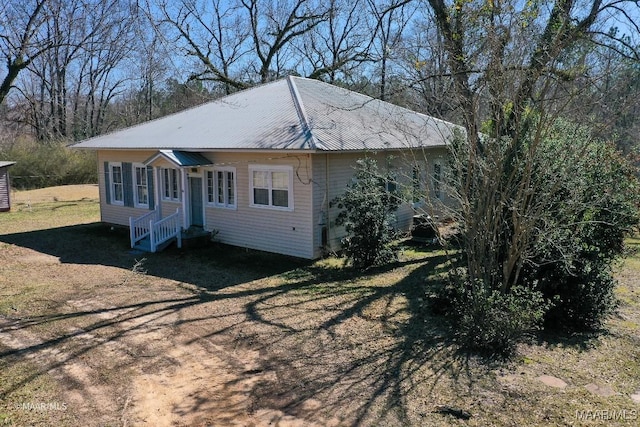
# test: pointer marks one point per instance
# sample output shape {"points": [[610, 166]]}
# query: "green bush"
{"points": [[582, 299], [48, 164], [367, 215], [491, 322], [593, 206], [545, 220]]}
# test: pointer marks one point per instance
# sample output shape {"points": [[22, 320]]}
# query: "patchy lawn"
{"points": [[94, 334]]}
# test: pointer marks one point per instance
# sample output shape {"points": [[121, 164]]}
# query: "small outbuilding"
{"points": [[5, 186]]}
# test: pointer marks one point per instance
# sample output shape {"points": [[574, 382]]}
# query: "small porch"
{"points": [[150, 233], [181, 188]]}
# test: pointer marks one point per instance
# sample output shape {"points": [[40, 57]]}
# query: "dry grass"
{"points": [[223, 336], [64, 193]]}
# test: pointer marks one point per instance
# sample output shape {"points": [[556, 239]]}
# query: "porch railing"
{"points": [[140, 227], [164, 230], [157, 230]]}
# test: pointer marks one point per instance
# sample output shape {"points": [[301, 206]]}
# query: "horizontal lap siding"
{"points": [[297, 233], [116, 214], [284, 232], [333, 172], [320, 202], [4, 190]]}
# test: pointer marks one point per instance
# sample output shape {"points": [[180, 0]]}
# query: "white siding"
{"points": [[333, 171], [285, 232], [298, 232], [114, 214]]}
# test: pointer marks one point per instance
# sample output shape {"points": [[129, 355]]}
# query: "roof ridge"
{"points": [[302, 114]]}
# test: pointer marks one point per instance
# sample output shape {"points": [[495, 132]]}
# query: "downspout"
{"points": [[157, 184], [327, 201], [183, 185]]}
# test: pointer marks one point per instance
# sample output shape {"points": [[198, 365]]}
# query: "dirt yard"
{"points": [[94, 334]]}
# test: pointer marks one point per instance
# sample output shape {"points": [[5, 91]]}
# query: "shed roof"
{"points": [[4, 164], [289, 114]]}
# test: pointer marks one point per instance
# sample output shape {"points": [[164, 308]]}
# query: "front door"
{"points": [[196, 207]]}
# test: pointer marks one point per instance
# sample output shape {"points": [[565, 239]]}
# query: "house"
{"points": [[5, 186], [261, 166]]}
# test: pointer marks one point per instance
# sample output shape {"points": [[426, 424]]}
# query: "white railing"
{"points": [[164, 230], [140, 227]]}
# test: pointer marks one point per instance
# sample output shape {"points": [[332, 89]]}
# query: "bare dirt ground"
{"points": [[93, 334]]}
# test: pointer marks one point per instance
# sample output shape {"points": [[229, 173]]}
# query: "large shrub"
{"points": [[591, 206], [548, 214], [367, 216]]}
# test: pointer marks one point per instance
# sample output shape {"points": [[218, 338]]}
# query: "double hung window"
{"points": [[271, 186]]}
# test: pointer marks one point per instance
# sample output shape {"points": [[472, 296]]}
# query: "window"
{"points": [[170, 184], [437, 179], [221, 187], [391, 183], [271, 186], [117, 183], [416, 184], [141, 186]]}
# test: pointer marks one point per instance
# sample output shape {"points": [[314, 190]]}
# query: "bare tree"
{"points": [[21, 38], [70, 85], [99, 81], [426, 70], [505, 59], [276, 24], [341, 43], [389, 24], [213, 33]]}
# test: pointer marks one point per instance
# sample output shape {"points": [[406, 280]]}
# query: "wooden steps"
{"points": [[194, 237]]}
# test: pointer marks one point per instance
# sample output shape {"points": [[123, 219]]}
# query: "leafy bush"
{"points": [[592, 205], [582, 299], [489, 321], [367, 215], [47, 164], [543, 218]]}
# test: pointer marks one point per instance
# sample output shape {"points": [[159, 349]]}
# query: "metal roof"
{"points": [[289, 114], [181, 158], [4, 164]]}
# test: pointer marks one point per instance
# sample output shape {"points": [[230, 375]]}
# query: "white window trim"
{"points": [[112, 184], [272, 168], [170, 198], [215, 202], [136, 202]]}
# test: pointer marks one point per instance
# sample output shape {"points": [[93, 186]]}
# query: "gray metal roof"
{"points": [[4, 164], [289, 114]]}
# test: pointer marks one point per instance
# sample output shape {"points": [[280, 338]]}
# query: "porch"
{"points": [[150, 233]]}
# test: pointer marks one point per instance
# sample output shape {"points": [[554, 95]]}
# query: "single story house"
{"points": [[5, 186], [260, 167]]}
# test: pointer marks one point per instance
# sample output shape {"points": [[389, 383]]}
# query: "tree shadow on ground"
{"points": [[415, 349], [213, 266], [365, 344]]}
